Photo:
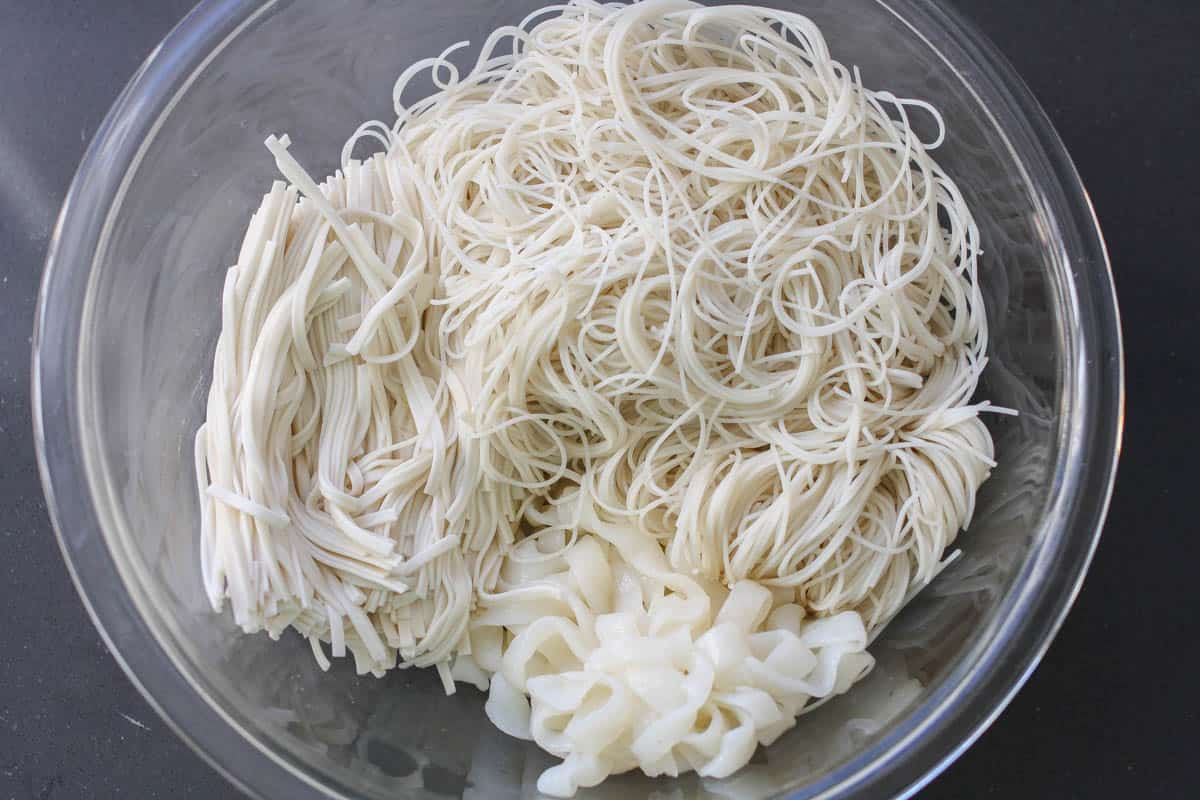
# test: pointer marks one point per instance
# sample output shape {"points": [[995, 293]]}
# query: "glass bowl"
{"points": [[129, 314]]}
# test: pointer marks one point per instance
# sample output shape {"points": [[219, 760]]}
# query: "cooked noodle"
{"points": [[633, 378]]}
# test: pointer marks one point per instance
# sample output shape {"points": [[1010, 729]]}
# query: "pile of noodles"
{"points": [[632, 379]]}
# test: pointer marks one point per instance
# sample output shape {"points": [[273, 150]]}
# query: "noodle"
{"points": [[633, 379]]}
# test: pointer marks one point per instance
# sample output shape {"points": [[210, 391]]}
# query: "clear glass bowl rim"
{"points": [[899, 764]]}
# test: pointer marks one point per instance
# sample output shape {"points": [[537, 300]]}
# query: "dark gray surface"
{"points": [[1112, 711]]}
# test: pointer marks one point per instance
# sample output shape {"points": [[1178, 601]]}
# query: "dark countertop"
{"points": [[1112, 710]]}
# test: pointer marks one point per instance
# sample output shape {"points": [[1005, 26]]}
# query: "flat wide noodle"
{"points": [[613, 686]]}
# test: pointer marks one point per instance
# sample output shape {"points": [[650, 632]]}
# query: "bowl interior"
{"points": [[150, 321]]}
